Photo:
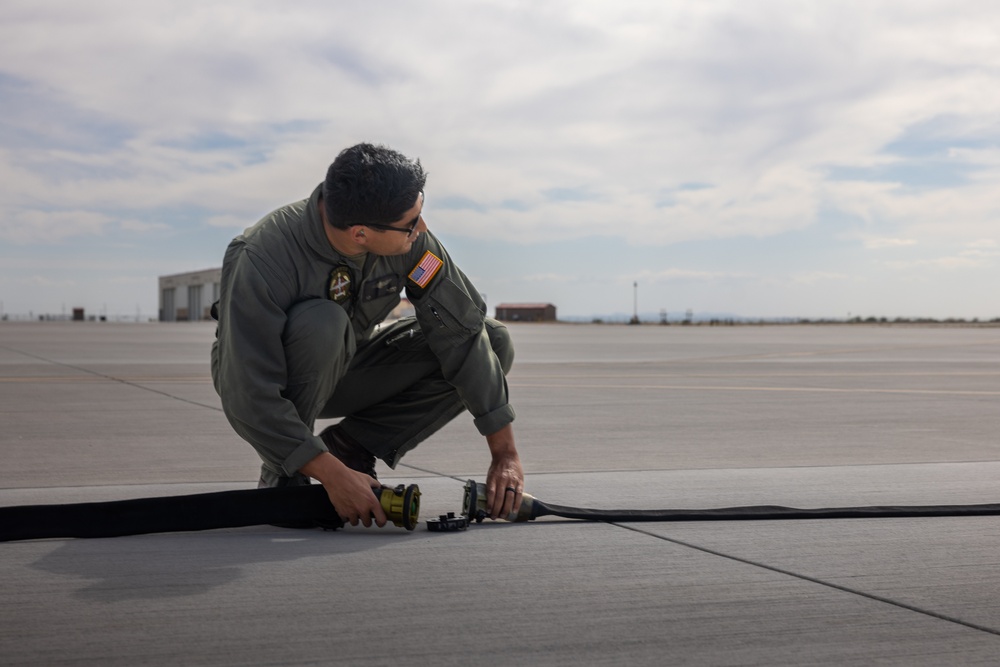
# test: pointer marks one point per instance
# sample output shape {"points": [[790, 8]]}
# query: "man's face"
{"points": [[397, 238]]}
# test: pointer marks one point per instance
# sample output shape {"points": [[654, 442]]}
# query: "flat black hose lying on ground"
{"points": [[295, 505], [761, 512], [474, 506]]}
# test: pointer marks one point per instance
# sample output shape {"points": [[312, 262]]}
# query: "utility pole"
{"points": [[635, 303]]}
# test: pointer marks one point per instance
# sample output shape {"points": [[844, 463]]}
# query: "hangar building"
{"points": [[188, 297]]}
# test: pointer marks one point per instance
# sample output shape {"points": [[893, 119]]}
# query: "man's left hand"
{"points": [[505, 479]]}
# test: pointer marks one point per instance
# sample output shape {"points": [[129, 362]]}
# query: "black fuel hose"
{"points": [[297, 506], [760, 512], [474, 507]]}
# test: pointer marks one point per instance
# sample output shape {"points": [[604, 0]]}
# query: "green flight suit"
{"points": [[295, 344]]}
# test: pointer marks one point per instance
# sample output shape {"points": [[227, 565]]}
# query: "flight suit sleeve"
{"points": [[452, 316], [250, 368]]}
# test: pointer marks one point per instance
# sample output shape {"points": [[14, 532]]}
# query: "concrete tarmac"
{"points": [[608, 417]]}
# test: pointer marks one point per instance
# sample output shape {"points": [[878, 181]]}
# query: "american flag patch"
{"points": [[426, 269]]}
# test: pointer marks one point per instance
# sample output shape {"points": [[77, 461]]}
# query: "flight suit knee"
{"points": [[319, 345]]}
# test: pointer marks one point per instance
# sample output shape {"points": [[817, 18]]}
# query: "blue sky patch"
{"points": [[667, 199], [35, 118], [459, 203], [208, 141], [514, 205], [935, 137], [915, 174]]}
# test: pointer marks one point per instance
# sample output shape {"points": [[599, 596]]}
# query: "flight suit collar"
{"points": [[315, 234]]}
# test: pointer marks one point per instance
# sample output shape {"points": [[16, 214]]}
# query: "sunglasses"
{"points": [[408, 230]]}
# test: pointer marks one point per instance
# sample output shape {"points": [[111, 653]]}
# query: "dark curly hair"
{"points": [[371, 184]]}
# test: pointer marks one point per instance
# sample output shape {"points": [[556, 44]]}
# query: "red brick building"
{"points": [[526, 312]]}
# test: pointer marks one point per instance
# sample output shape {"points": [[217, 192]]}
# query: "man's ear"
{"points": [[359, 234]]}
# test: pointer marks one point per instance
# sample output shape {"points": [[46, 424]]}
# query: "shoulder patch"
{"points": [[426, 268]]}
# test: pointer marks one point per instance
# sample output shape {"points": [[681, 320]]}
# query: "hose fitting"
{"points": [[474, 504], [401, 504]]}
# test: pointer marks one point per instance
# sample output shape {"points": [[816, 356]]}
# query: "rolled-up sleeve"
{"points": [[452, 316]]}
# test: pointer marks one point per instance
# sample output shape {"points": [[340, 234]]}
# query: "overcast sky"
{"points": [[761, 158]]}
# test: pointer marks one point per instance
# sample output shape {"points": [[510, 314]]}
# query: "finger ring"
{"points": [[512, 489]]}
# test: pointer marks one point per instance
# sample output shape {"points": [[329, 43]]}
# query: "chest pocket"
{"points": [[376, 299], [380, 287]]}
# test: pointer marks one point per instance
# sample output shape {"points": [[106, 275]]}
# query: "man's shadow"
{"points": [[186, 564]]}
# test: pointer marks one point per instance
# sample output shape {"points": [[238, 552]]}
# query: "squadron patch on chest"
{"points": [[340, 284], [426, 269]]}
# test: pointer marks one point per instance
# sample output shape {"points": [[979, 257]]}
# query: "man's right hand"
{"points": [[349, 491]]}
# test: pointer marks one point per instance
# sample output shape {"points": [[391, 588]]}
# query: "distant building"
{"points": [[188, 297], [526, 312]]}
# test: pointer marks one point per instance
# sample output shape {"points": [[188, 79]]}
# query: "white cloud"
{"points": [[981, 249], [34, 226], [559, 278], [683, 275], [143, 226], [880, 243], [234, 222], [816, 277], [942, 263], [983, 244]]}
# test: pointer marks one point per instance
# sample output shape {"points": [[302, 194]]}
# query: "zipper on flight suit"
{"points": [[435, 313]]}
